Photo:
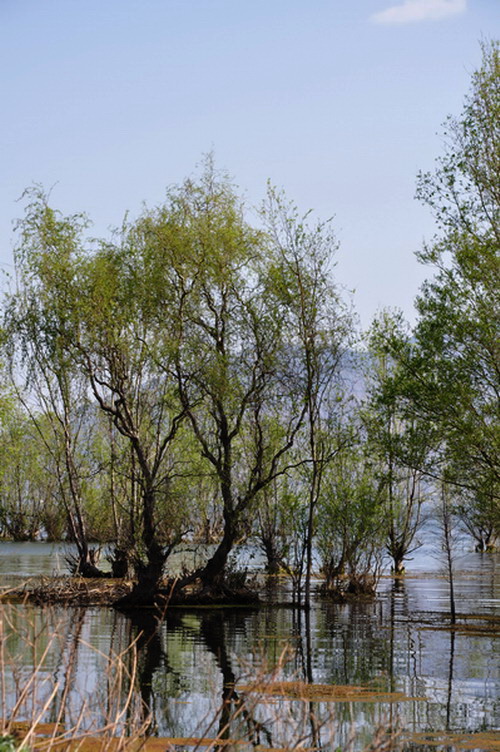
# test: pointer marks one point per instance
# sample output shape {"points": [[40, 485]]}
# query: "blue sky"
{"points": [[339, 102]]}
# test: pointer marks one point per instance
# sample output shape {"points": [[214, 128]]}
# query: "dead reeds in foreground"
{"points": [[41, 707], [44, 708]]}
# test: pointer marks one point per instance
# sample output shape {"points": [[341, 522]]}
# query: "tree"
{"points": [[351, 529], [39, 325], [399, 444], [450, 367], [79, 325], [321, 329], [123, 345], [234, 366], [24, 486], [277, 531], [448, 540]]}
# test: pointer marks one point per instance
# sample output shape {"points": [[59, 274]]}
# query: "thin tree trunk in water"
{"points": [[450, 680], [133, 495], [74, 487], [313, 498], [448, 547], [112, 494], [85, 565], [452, 588]]}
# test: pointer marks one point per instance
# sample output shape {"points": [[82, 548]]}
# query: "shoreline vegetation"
{"points": [[198, 376], [71, 590], [261, 589]]}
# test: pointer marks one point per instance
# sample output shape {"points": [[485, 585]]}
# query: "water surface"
{"points": [[194, 662]]}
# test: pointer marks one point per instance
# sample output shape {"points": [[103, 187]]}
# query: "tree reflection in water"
{"points": [[145, 630], [189, 666], [233, 706]]}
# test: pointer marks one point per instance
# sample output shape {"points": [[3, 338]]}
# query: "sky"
{"points": [[338, 102]]}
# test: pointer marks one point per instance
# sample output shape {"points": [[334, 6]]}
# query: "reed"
{"points": [[42, 708], [45, 708]]}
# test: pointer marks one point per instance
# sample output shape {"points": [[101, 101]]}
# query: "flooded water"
{"points": [[195, 672]]}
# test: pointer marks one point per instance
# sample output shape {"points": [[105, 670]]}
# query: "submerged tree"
{"points": [[39, 328], [351, 530], [278, 531], [320, 330], [449, 371], [124, 356], [233, 362], [399, 444]]}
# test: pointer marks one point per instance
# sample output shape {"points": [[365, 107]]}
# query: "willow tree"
{"points": [[39, 328], [450, 369], [351, 524], [401, 445], [241, 310], [25, 486], [123, 347], [233, 362], [320, 331], [79, 325]]}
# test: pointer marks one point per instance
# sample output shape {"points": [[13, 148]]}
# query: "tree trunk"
{"points": [[212, 574], [273, 564], [150, 571]]}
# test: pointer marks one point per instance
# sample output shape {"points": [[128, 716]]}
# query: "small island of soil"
{"points": [[81, 591]]}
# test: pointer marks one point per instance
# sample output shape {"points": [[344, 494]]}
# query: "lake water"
{"points": [[195, 662]]}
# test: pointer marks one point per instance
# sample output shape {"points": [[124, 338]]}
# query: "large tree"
{"points": [[234, 365], [123, 344], [451, 365]]}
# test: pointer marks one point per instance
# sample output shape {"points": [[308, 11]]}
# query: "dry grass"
{"points": [[37, 707], [489, 741], [69, 591], [42, 709], [325, 692]]}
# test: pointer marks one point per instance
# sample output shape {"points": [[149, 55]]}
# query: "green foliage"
{"points": [[281, 525], [456, 346], [185, 328], [211, 350], [351, 519], [320, 329], [9, 743], [399, 443], [449, 370]]}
